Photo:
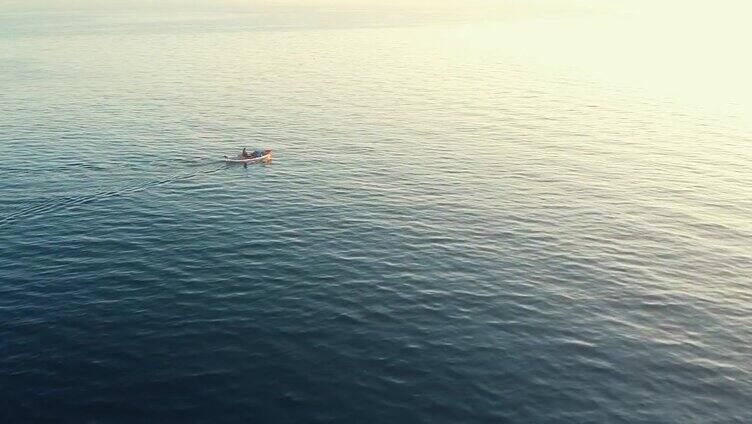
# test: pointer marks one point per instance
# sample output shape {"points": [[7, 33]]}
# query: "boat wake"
{"points": [[75, 201]]}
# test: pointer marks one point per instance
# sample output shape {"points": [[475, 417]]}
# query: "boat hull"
{"points": [[262, 159]]}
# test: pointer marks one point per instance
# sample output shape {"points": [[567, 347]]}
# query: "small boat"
{"points": [[266, 157]]}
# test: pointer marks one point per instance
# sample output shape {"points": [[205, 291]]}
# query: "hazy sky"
{"points": [[659, 6], [678, 9]]}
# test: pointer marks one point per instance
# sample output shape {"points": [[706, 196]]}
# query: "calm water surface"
{"points": [[448, 233]]}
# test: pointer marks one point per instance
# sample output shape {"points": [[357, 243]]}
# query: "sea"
{"points": [[467, 219]]}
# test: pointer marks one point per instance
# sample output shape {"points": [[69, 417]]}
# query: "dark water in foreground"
{"points": [[445, 235]]}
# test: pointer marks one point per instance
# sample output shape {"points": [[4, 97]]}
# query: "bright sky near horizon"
{"points": [[713, 13], [677, 7]]}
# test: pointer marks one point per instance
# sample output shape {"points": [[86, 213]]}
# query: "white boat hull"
{"points": [[238, 159]]}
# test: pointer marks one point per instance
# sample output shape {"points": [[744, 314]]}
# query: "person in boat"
{"points": [[246, 155]]}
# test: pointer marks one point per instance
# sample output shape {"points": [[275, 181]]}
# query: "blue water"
{"points": [[447, 233]]}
